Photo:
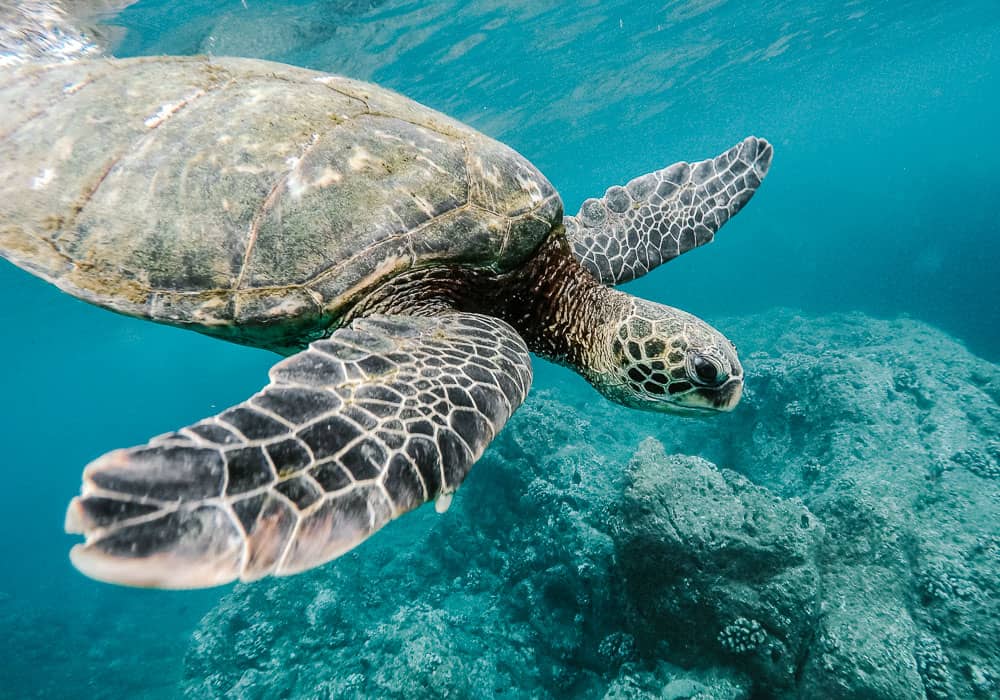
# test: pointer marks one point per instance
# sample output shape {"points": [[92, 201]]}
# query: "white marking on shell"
{"points": [[70, 88], [360, 160], [423, 153], [63, 148], [298, 185], [328, 177], [424, 205], [530, 185], [42, 179], [295, 184], [169, 109], [399, 219], [490, 173], [424, 159], [246, 169]]}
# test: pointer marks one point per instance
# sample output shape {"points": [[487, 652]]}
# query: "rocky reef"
{"points": [[836, 536]]}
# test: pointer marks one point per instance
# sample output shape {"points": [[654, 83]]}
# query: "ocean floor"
{"points": [[837, 536]]}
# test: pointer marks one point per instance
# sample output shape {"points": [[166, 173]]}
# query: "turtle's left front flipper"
{"points": [[658, 216], [358, 429]]}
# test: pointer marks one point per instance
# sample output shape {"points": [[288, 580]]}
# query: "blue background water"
{"points": [[882, 198]]}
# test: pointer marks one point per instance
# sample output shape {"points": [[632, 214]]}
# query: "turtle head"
{"points": [[662, 359]]}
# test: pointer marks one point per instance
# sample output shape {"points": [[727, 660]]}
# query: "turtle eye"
{"points": [[706, 371]]}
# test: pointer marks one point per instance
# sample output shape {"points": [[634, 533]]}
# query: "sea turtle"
{"points": [[405, 264]]}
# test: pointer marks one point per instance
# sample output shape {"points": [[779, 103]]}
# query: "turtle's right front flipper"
{"points": [[660, 215], [358, 429]]}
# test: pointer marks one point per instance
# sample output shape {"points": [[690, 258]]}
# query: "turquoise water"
{"points": [[881, 200]]}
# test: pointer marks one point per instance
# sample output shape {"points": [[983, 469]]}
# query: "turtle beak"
{"points": [[726, 397], [708, 400]]}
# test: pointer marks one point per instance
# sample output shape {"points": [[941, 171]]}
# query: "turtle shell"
{"points": [[247, 199]]}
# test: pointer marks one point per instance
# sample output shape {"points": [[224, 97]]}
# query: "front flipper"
{"points": [[658, 216], [383, 416]]}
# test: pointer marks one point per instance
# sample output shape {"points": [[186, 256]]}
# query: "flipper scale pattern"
{"points": [[660, 215], [358, 429]]}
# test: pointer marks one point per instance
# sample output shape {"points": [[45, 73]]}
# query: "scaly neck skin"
{"points": [[563, 313], [559, 308]]}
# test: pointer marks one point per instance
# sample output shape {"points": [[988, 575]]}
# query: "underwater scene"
{"points": [[819, 518]]}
